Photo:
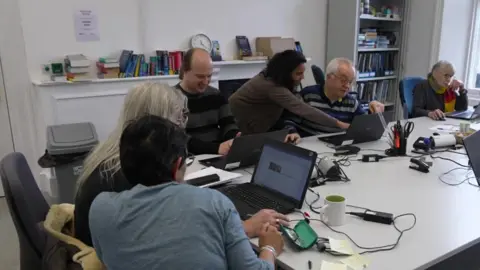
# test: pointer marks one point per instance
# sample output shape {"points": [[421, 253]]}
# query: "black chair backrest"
{"points": [[27, 207], [318, 75]]}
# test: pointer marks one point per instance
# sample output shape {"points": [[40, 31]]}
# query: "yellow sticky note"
{"points": [[356, 262], [332, 266], [341, 246]]}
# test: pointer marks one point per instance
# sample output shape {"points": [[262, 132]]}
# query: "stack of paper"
{"points": [[225, 176], [445, 128], [355, 261]]}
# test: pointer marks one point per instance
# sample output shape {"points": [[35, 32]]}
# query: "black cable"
{"points": [[374, 150], [345, 160], [247, 171], [455, 152], [321, 178], [451, 160], [448, 172], [366, 249], [377, 248], [473, 184], [310, 205]]}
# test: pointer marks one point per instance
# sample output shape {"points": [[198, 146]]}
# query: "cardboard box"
{"points": [[269, 46]]}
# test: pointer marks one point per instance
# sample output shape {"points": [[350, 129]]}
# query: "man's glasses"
{"points": [[344, 80]]}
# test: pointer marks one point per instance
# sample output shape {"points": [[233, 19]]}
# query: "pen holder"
{"points": [[399, 149], [398, 138], [402, 150]]}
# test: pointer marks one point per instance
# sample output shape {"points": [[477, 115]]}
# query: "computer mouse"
{"points": [[442, 119], [436, 134]]}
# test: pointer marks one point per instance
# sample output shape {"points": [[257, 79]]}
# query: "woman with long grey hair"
{"points": [[102, 167]]}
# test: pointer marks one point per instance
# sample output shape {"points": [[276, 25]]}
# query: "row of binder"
{"points": [[377, 64], [374, 90]]}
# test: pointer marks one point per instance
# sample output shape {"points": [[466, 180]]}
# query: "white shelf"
{"points": [[238, 62], [160, 77], [378, 49], [94, 80], [376, 78], [371, 17]]}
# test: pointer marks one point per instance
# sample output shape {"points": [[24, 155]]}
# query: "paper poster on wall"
{"points": [[86, 26]]}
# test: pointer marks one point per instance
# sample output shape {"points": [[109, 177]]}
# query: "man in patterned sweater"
{"points": [[332, 98], [211, 125]]}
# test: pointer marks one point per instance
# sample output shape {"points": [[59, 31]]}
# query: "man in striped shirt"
{"points": [[211, 125], [332, 98]]}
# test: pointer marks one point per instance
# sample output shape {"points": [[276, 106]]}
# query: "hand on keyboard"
{"points": [[253, 225]]}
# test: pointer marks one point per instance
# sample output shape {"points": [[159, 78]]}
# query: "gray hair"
{"points": [[147, 98], [442, 64], [335, 64]]}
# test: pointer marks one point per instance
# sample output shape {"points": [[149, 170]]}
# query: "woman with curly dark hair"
{"points": [[258, 105]]}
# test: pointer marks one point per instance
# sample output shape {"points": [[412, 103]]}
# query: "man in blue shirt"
{"points": [[332, 98], [162, 223]]}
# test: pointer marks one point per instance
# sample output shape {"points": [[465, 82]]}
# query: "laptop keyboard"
{"points": [[247, 194]]}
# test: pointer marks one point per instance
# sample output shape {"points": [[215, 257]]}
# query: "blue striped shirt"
{"points": [[343, 110]]}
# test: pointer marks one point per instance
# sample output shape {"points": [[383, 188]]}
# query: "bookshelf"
{"points": [[375, 43]]}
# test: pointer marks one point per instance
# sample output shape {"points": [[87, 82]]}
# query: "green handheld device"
{"points": [[302, 236]]}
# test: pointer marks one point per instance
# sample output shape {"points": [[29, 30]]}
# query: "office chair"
{"points": [[318, 75], [406, 94], [27, 207]]}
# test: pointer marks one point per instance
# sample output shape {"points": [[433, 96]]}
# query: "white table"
{"points": [[447, 219]]}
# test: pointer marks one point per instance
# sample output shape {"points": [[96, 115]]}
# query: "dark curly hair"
{"points": [[280, 67]]}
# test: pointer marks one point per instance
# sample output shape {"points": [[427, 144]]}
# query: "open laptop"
{"points": [[469, 114], [364, 128], [245, 151], [279, 182], [471, 144]]}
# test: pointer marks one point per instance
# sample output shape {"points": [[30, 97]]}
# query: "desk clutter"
{"points": [[331, 211]]}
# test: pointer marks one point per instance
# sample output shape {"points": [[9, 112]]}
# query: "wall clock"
{"points": [[201, 41]]}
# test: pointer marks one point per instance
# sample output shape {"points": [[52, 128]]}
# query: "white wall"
{"points": [[438, 30], [17, 82], [34, 32], [455, 34], [48, 29], [147, 25]]}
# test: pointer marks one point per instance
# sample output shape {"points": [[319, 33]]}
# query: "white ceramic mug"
{"points": [[464, 127], [333, 211]]}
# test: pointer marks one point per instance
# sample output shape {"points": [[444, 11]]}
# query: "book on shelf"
{"points": [[77, 67], [370, 38], [376, 90], [137, 65], [108, 70], [127, 65], [378, 64], [77, 61]]}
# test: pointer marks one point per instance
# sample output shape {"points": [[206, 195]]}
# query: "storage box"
{"points": [[269, 46]]}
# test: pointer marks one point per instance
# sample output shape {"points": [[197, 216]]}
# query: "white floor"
{"points": [[9, 255]]}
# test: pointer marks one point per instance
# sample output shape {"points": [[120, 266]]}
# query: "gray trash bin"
{"points": [[71, 142]]}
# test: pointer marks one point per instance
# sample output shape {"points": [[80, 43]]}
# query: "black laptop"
{"points": [[469, 114], [279, 182], [364, 128], [245, 151], [471, 144]]}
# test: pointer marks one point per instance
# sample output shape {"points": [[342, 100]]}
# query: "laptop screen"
{"points": [[284, 171], [471, 146]]}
